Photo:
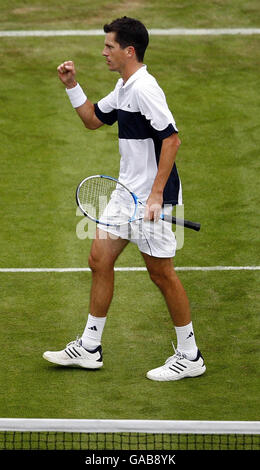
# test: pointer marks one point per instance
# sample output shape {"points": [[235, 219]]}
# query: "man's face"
{"points": [[115, 56]]}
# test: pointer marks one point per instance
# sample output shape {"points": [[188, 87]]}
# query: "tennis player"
{"points": [[148, 145]]}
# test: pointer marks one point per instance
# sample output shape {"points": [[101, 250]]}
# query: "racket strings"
{"points": [[106, 200], [95, 195]]}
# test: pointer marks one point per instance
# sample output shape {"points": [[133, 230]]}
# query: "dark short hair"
{"points": [[130, 32]]}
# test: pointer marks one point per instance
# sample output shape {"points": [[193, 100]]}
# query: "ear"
{"points": [[130, 51]]}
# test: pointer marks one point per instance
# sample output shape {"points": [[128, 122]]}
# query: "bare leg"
{"points": [[162, 273], [187, 360], [104, 252], [87, 352]]}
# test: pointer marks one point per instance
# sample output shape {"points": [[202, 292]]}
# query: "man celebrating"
{"points": [[148, 144]]}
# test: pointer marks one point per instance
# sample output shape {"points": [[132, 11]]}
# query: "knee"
{"points": [[93, 262], [158, 278], [98, 261], [163, 278]]}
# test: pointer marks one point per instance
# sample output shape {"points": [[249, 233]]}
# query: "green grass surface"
{"points": [[64, 14], [212, 87], [44, 310]]}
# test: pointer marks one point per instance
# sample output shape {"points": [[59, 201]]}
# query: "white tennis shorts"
{"points": [[153, 238]]}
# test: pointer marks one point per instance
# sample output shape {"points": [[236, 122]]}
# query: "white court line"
{"points": [[156, 32], [129, 269]]}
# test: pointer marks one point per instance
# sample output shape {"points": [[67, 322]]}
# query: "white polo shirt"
{"points": [[144, 120]]}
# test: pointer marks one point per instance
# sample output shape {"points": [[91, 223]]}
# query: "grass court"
{"points": [[212, 87]]}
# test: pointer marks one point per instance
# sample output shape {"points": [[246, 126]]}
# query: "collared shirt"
{"points": [[144, 120]]}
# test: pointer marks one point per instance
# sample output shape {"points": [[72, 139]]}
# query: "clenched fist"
{"points": [[67, 73]]}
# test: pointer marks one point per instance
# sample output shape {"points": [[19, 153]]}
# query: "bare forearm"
{"points": [[83, 106], [86, 112], [167, 158]]}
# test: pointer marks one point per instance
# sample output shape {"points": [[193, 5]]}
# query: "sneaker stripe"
{"points": [[76, 355], [175, 368], [72, 353], [182, 365], [68, 353], [76, 351]]}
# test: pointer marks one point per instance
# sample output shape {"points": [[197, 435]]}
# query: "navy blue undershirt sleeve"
{"points": [[106, 118], [166, 132]]}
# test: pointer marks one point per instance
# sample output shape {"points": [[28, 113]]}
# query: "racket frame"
{"points": [[111, 178], [171, 219]]}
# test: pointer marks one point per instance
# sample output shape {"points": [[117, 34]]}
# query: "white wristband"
{"points": [[76, 95]]}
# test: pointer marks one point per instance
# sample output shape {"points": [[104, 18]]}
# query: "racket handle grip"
{"points": [[183, 222]]}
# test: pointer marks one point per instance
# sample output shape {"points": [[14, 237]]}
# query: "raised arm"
{"points": [[83, 106]]}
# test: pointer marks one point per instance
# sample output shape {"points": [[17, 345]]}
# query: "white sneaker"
{"points": [[178, 367], [74, 355]]}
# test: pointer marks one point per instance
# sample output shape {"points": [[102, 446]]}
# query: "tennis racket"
{"points": [[107, 201]]}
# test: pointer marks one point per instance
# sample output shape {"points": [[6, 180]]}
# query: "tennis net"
{"points": [[83, 434]]}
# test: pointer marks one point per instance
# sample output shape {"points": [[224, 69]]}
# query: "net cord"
{"points": [[142, 426]]}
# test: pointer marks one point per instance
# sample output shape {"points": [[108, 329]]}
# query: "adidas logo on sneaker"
{"points": [[75, 355], [178, 367]]}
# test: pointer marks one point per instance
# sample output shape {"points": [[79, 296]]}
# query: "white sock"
{"points": [[92, 334], [186, 343]]}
